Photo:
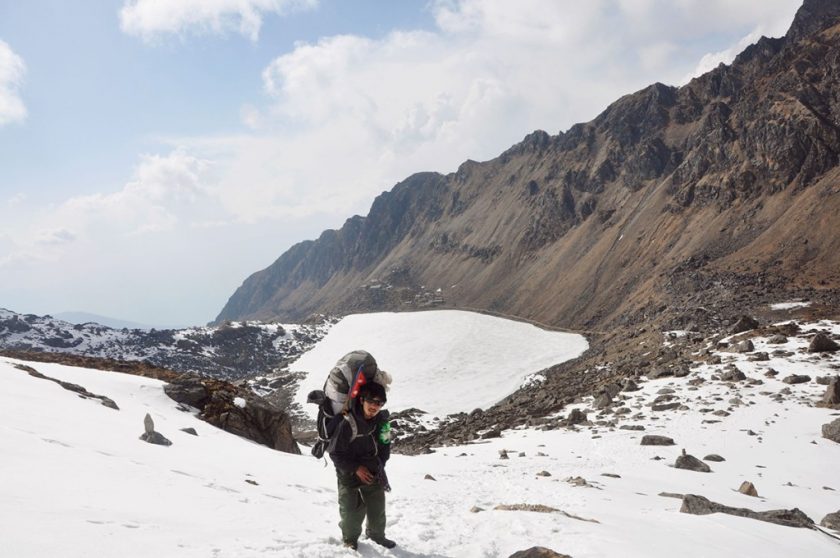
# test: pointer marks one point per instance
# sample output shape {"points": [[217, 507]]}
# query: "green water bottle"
{"points": [[385, 433]]}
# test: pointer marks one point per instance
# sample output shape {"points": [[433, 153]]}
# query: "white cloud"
{"points": [[16, 199], [346, 117], [152, 18], [54, 237], [12, 70], [163, 192]]}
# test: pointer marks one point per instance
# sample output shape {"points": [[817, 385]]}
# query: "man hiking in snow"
{"points": [[359, 459]]}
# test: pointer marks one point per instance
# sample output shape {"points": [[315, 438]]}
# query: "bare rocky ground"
{"points": [[734, 351]]}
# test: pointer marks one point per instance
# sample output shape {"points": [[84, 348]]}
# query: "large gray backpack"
{"points": [[353, 370]]}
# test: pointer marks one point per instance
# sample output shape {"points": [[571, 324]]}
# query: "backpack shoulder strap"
{"points": [[354, 428]]}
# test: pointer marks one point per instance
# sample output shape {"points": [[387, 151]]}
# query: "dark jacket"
{"points": [[366, 449]]}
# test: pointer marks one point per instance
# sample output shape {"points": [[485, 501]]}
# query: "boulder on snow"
{"points": [[832, 393], [744, 323], [576, 416], [660, 373], [797, 379], [777, 339], [150, 435], [822, 343], [656, 440], [832, 521], [748, 488], [602, 401], [691, 463], [148, 424], [629, 385], [155, 438], [745, 346], [831, 430], [714, 457], [538, 552], [733, 374]]}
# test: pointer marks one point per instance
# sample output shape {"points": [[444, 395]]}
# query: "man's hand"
{"points": [[364, 474]]}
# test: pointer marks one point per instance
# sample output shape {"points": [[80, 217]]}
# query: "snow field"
{"points": [[442, 361], [78, 482]]}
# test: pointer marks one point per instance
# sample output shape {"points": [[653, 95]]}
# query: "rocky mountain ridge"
{"points": [[233, 350], [727, 185]]}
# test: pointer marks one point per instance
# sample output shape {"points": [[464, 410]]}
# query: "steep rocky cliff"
{"points": [[726, 187]]}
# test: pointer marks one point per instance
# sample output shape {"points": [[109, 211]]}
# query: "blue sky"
{"points": [[155, 153]]}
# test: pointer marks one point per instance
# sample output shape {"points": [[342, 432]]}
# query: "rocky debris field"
{"points": [[713, 376]]}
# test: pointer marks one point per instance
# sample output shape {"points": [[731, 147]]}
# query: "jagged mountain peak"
{"points": [[812, 17], [592, 226]]}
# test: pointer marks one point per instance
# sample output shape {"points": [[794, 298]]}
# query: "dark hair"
{"points": [[371, 390]]}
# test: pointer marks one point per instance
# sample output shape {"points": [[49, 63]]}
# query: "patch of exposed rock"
{"points": [[235, 410], [822, 343], [691, 463], [698, 505], [538, 552], [831, 431]]}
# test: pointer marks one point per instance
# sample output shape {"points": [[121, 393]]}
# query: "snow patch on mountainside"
{"points": [[443, 361]]}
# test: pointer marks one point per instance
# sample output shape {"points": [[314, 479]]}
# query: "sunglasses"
{"points": [[373, 401]]}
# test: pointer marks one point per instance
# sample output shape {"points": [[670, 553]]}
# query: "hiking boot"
{"points": [[352, 545], [382, 541]]}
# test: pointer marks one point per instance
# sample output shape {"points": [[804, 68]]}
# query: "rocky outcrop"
{"points": [[608, 222], [831, 431], [698, 505], [822, 343], [656, 440], [231, 350], [75, 388], [235, 410], [150, 435], [831, 521], [831, 398], [691, 463]]}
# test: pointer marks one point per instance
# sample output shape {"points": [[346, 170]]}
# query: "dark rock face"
{"points": [[831, 431], [189, 390], [256, 420], [754, 145], [236, 410], [698, 505], [821, 343]]}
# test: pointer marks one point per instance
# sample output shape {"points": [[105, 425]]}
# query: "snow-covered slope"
{"points": [[443, 361], [77, 482]]}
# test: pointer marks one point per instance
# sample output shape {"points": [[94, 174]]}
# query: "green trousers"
{"points": [[357, 500]]}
